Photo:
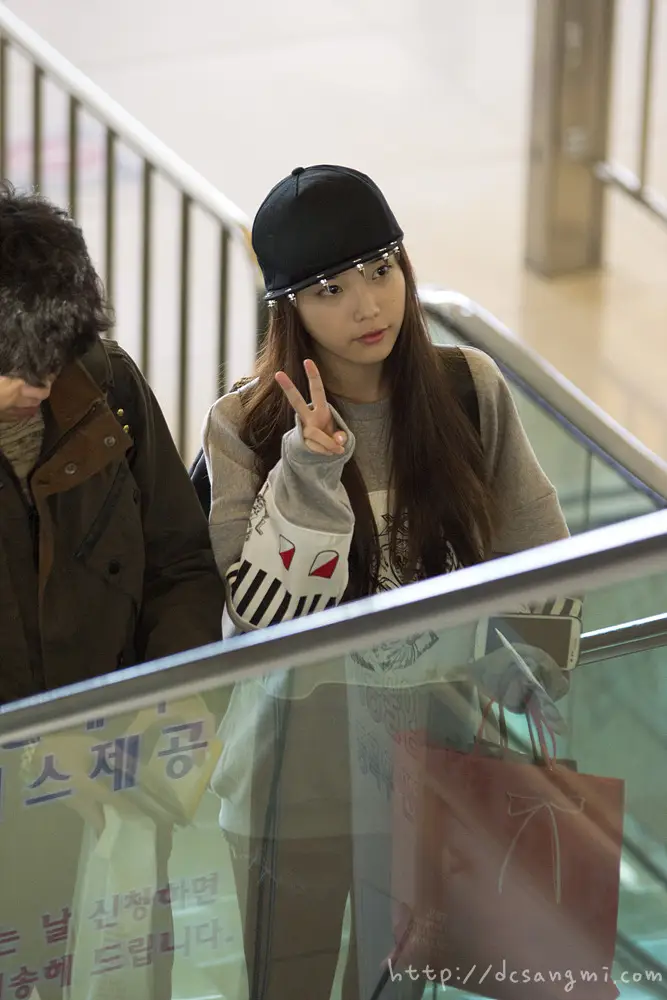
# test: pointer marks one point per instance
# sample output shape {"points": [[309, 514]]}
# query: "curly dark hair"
{"points": [[52, 303]]}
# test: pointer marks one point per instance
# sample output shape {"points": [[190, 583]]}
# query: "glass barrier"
{"points": [[592, 491], [353, 827]]}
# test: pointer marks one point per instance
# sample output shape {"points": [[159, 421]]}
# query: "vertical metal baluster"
{"points": [[222, 310], [4, 50], [146, 229], [37, 102], [184, 307], [73, 173], [647, 92], [109, 212]]}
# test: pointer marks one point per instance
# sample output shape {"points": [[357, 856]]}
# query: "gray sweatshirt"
{"points": [[282, 546]]}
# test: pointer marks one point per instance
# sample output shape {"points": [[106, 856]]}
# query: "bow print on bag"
{"points": [[529, 806]]}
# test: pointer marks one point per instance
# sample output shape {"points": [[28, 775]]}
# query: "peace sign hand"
{"points": [[319, 430]]}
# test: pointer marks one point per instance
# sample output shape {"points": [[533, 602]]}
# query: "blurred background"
{"points": [[523, 147], [434, 99]]}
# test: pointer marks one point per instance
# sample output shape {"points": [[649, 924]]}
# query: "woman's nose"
{"points": [[367, 305]]}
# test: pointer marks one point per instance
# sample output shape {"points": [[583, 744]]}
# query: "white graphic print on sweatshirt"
{"points": [[285, 570]]}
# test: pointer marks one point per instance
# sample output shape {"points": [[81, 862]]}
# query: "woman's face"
{"points": [[357, 317]]}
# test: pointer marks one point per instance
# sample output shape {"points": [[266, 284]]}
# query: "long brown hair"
{"points": [[437, 466]]}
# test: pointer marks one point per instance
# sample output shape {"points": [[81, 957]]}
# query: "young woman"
{"points": [[360, 457]]}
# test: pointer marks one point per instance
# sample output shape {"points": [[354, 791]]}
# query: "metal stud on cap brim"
{"points": [[384, 253]]}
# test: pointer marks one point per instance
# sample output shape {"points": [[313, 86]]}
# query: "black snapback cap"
{"points": [[317, 222]]}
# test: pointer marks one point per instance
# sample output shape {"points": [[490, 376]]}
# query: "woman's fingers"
{"points": [[294, 397], [321, 442], [318, 415], [318, 396]]}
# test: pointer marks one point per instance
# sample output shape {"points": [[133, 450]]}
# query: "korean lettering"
{"points": [[163, 896], [139, 901], [215, 933], [205, 889], [175, 892], [23, 983], [168, 942], [141, 951], [180, 763], [56, 928], [7, 939], [50, 772], [118, 758], [60, 969], [101, 917], [108, 959]]}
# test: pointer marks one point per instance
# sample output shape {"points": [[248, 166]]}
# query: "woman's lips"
{"points": [[373, 338]]}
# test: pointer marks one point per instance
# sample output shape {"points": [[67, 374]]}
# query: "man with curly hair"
{"points": [[105, 558]]}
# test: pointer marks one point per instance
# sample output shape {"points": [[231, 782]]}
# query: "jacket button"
{"points": [[70, 469], [110, 441], [114, 567]]}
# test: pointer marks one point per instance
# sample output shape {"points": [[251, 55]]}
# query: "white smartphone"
{"points": [[557, 635]]}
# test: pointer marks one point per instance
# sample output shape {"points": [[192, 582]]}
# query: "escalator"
{"points": [[615, 728]]}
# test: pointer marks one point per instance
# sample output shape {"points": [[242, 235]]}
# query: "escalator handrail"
{"points": [[550, 389], [624, 639], [573, 565]]}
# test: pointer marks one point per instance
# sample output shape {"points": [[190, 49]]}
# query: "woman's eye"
{"points": [[329, 290], [382, 271]]}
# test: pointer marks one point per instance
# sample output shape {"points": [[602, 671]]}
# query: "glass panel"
{"points": [[614, 499], [591, 491], [288, 829]]}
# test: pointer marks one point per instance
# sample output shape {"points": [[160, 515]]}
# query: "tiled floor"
{"points": [[431, 98]]}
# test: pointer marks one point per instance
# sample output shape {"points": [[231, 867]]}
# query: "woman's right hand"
{"points": [[319, 430]]}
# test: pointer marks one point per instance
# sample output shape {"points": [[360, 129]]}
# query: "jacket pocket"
{"points": [[113, 548]]}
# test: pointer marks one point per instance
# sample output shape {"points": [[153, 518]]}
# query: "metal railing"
{"points": [[601, 558], [29, 69], [599, 433], [201, 364], [570, 168]]}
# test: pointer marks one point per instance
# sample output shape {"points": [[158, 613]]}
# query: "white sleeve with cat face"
{"points": [[295, 556]]}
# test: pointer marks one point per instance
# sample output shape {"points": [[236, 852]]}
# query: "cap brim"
{"points": [[334, 270]]}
